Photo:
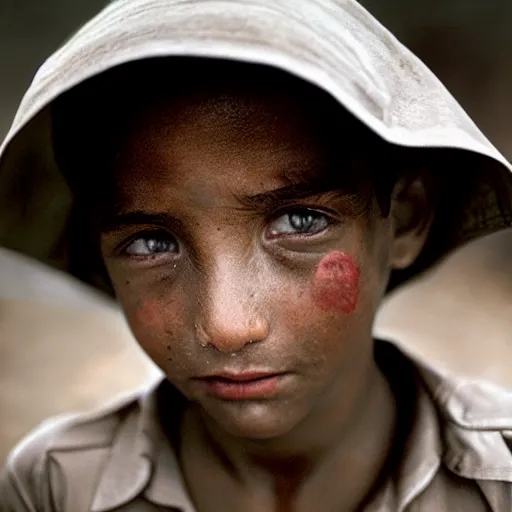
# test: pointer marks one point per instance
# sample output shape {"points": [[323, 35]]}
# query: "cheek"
{"points": [[335, 284], [156, 324], [147, 314]]}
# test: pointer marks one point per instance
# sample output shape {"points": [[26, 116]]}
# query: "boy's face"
{"points": [[249, 283]]}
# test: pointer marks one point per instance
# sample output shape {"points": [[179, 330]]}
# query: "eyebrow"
{"points": [[117, 221], [287, 193], [120, 220], [263, 201]]}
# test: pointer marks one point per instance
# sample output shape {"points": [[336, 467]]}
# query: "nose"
{"points": [[230, 316]]}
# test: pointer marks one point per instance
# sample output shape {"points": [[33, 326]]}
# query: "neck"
{"points": [[312, 460]]}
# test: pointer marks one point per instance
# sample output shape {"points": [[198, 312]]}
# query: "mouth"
{"points": [[242, 386]]}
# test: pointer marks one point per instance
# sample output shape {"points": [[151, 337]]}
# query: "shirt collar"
{"points": [[420, 456], [477, 417], [167, 487], [422, 452], [419, 464], [142, 461]]}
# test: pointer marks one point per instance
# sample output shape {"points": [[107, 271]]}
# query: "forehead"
{"points": [[164, 125], [203, 152], [230, 133], [247, 135]]}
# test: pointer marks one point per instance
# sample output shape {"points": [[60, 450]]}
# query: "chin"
{"points": [[258, 421]]}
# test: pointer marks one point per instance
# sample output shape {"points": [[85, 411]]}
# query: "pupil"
{"points": [[155, 245], [301, 222]]}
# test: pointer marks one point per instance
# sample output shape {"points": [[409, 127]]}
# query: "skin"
{"points": [[217, 272]]}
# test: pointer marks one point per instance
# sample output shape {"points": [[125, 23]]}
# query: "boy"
{"points": [[241, 183]]}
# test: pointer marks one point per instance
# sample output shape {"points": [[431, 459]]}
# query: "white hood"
{"points": [[335, 44]]}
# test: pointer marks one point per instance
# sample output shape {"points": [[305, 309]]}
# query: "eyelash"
{"points": [[145, 235], [301, 211]]}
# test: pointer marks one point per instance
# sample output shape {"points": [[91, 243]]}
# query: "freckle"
{"points": [[252, 295], [168, 347], [335, 283], [127, 282], [169, 359]]}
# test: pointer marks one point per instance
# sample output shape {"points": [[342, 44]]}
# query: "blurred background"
{"points": [[63, 347]]}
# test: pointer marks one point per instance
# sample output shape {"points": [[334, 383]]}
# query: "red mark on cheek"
{"points": [[149, 313], [335, 283]]}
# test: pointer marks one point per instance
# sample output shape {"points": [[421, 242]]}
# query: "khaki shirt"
{"points": [[456, 457]]}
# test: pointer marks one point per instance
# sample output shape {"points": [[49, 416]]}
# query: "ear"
{"points": [[411, 215]]}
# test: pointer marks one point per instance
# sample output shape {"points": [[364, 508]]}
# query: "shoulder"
{"points": [[33, 477], [476, 423]]}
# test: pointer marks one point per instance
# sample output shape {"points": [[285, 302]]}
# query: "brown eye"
{"points": [[151, 244], [299, 222]]}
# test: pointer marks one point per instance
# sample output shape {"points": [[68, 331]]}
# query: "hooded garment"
{"points": [[457, 456], [334, 44]]}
